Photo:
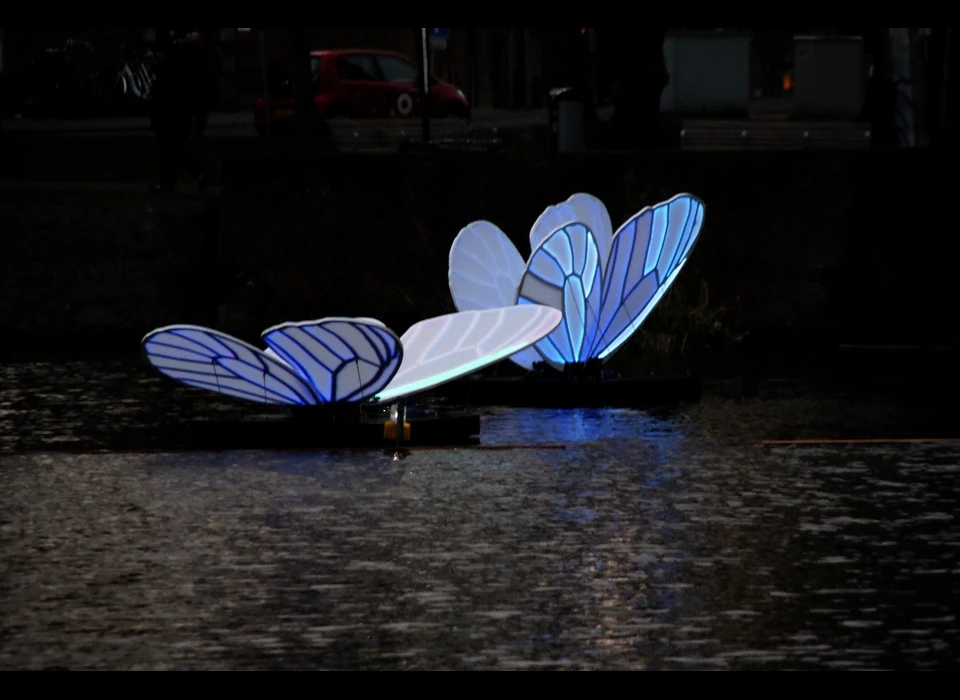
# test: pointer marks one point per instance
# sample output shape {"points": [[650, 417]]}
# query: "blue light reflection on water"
{"points": [[660, 438], [598, 440], [532, 426], [650, 541]]}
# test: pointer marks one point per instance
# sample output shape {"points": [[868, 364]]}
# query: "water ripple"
{"points": [[653, 541]]}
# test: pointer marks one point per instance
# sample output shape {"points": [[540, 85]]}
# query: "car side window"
{"points": [[397, 71], [357, 67]]}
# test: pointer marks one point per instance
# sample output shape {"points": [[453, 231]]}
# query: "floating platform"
{"points": [[299, 431], [561, 392]]}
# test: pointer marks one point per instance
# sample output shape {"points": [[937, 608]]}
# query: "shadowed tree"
{"points": [[305, 111], [213, 44], [937, 72], [640, 77], [951, 88], [3, 91], [936, 85], [878, 107]]}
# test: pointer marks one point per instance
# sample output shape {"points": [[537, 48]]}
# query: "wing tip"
{"points": [[584, 195], [478, 228], [361, 320], [666, 202], [177, 327], [682, 195], [553, 316], [533, 313], [471, 229]]}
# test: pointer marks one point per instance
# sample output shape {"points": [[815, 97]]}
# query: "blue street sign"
{"points": [[438, 32]]}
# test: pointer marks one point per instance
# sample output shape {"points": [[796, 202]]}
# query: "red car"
{"points": [[353, 84]]}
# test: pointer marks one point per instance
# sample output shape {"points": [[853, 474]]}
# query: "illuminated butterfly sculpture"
{"points": [[341, 360], [605, 283]]}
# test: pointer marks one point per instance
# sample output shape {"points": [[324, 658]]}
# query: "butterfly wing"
{"points": [[208, 359], [564, 272], [445, 348], [579, 208], [343, 359], [484, 272], [647, 254], [485, 268]]}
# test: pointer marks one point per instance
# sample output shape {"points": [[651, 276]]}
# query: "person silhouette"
{"points": [[180, 109]]}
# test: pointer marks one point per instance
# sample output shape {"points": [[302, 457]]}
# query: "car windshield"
{"points": [[280, 76]]}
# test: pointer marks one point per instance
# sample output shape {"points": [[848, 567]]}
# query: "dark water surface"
{"points": [[652, 541]]}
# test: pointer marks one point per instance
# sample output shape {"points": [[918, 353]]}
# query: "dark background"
{"points": [[848, 245]]}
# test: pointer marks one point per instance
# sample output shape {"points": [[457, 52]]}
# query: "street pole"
{"points": [[424, 60], [401, 422], [472, 65], [3, 93], [918, 40], [946, 135], [266, 83]]}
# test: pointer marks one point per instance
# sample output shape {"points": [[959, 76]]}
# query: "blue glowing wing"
{"points": [[579, 208], [647, 253], [343, 359], [444, 348], [208, 359], [485, 269], [564, 272]]}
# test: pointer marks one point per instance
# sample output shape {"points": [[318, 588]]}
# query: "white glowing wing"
{"points": [[580, 208], [343, 359], [444, 348], [208, 359], [485, 268]]}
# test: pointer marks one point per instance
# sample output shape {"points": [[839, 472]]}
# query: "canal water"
{"points": [[724, 535]]}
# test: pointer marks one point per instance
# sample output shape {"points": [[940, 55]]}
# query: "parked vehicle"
{"points": [[357, 84]]}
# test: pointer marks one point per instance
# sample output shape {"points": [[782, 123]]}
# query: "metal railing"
{"points": [[381, 135], [773, 136]]}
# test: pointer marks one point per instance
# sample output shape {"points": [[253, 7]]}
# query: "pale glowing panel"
{"points": [[343, 359], [605, 284], [582, 209], [564, 273], [444, 348], [208, 359], [485, 268], [484, 272]]}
